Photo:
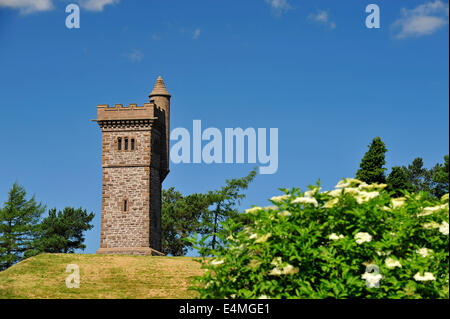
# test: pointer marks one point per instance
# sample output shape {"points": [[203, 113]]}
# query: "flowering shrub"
{"points": [[355, 241]]}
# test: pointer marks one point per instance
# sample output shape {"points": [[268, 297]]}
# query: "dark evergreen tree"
{"points": [[199, 214], [63, 231], [225, 201], [372, 164], [398, 181], [440, 177], [19, 224], [418, 176], [181, 218]]}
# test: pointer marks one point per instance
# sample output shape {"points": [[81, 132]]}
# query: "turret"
{"points": [[161, 97]]}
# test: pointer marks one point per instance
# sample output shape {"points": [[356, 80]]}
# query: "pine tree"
{"points": [[418, 176], [181, 218], [398, 181], [199, 214], [440, 176], [62, 231], [371, 168], [224, 205], [19, 220]]}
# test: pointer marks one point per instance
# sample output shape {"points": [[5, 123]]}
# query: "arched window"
{"points": [[126, 143], [132, 144], [119, 143], [125, 205]]}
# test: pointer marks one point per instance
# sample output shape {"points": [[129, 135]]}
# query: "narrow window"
{"points": [[119, 143], [125, 205], [126, 143], [132, 144]]}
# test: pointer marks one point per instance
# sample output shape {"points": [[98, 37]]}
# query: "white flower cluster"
{"points": [[331, 203], [216, 262], [313, 192], [363, 238], [384, 253], [278, 199], [306, 200], [431, 210], [398, 202], [280, 270], [392, 263], [284, 213], [333, 236], [252, 210], [427, 276], [443, 227], [424, 252], [363, 192]]}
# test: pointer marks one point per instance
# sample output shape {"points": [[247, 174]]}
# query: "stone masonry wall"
{"points": [[126, 228], [112, 156], [126, 176]]}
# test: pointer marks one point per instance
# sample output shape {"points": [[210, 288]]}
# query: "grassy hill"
{"points": [[101, 276]]}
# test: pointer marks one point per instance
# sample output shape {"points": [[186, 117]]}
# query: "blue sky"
{"points": [[309, 68]]}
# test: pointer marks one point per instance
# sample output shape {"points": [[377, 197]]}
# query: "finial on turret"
{"points": [[159, 88]]}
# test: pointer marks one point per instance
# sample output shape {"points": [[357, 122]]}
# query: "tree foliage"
{"points": [[181, 217], [434, 180], [199, 214], [398, 181], [19, 224], [440, 178], [372, 164], [225, 203], [419, 177], [63, 231], [355, 241]]}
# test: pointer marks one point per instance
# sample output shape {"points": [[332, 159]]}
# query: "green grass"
{"points": [[101, 276]]}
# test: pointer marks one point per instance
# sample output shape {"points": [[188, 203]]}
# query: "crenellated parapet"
{"points": [[131, 116], [120, 112]]}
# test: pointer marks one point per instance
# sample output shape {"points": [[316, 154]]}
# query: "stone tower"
{"points": [[135, 161]]}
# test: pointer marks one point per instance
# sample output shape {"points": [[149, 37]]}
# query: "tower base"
{"points": [[141, 251]]}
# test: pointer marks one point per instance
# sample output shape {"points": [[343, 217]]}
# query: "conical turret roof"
{"points": [[159, 88]]}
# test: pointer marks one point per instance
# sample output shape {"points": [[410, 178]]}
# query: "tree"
{"points": [[181, 218], [398, 181], [418, 176], [19, 220], [225, 201], [371, 168], [62, 231], [440, 177], [199, 214]]}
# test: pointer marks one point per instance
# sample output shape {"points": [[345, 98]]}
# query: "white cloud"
{"points": [[31, 6], [135, 56], [96, 5], [196, 34], [423, 20], [279, 7], [322, 17], [27, 6]]}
